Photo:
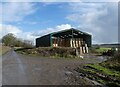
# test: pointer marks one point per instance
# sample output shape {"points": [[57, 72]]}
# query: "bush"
{"points": [[62, 52], [51, 51]]}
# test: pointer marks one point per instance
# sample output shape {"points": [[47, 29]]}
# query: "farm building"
{"points": [[66, 38]]}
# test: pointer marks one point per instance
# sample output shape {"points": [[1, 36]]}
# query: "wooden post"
{"points": [[77, 54], [56, 42], [86, 48], [72, 38], [60, 42], [79, 43], [71, 45], [81, 51], [76, 42]]}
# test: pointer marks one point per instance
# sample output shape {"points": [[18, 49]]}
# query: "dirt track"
{"points": [[20, 69]]}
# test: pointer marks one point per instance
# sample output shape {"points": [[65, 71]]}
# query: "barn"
{"points": [[66, 38]]}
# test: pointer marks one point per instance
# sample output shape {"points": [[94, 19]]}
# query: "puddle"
{"points": [[68, 73], [38, 69], [102, 58], [98, 58]]}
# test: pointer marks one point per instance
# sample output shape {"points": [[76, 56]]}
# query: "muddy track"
{"points": [[20, 69]]}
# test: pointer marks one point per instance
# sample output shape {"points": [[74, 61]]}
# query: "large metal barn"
{"points": [[66, 38]]}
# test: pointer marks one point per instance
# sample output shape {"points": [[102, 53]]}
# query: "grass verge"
{"points": [[4, 49], [49, 52], [107, 73]]}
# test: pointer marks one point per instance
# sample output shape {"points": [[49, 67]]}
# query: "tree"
{"points": [[9, 40], [27, 44]]}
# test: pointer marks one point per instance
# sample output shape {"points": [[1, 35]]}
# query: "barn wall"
{"points": [[44, 41], [88, 40]]}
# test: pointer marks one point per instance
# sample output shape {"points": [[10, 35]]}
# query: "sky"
{"points": [[31, 19]]}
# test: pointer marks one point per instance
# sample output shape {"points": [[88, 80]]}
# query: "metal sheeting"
{"points": [[44, 41]]}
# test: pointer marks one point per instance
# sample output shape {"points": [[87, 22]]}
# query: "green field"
{"points": [[4, 49], [100, 50]]}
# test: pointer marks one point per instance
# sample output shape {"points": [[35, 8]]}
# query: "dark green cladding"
{"points": [[44, 41]]}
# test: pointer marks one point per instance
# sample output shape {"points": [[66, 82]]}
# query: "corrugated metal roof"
{"points": [[66, 30], [68, 33]]}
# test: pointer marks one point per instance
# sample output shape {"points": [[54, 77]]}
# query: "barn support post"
{"points": [[72, 38], [51, 41]]}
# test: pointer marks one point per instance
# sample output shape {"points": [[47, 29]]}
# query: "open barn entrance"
{"points": [[68, 42], [72, 38]]}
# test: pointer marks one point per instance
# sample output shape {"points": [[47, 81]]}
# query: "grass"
{"points": [[57, 56], [103, 75], [49, 52], [100, 50], [105, 70], [4, 49]]}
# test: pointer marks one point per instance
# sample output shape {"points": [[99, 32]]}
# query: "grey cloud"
{"points": [[100, 19]]}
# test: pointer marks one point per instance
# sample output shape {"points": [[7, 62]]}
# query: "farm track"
{"points": [[18, 69]]}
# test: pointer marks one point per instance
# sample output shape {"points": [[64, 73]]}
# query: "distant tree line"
{"points": [[11, 40]]}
